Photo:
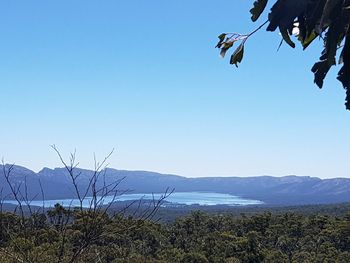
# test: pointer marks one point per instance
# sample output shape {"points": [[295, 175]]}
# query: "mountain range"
{"points": [[287, 190]]}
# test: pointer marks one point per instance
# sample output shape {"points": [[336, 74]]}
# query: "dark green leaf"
{"points": [[258, 8], [221, 40], [308, 40], [284, 12], [320, 70], [344, 73], [237, 56], [327, 11], [286, 38], [226, 46]]}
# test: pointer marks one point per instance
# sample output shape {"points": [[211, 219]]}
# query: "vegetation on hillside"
{"points": [[87, 236], [101, 233]]}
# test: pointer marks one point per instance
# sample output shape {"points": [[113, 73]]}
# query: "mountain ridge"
{"points": [[285, 190]]}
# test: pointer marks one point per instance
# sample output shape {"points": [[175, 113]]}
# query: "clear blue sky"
{"points": [[144, 77]]}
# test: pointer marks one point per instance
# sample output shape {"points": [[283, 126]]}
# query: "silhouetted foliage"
{"points": [[72, 233], [307, 20]]}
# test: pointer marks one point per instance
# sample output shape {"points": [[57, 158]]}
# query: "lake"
{"points": [[182, 198]]}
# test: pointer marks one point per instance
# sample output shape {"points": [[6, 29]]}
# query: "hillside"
{"points": [[288, 190]]}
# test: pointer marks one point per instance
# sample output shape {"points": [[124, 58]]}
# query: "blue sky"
{"points": [[143, 77]]}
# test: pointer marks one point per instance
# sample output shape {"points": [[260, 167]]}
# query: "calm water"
{"points": [[184, 198]]}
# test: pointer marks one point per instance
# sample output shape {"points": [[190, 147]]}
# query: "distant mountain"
{"points": [[288, 190]]}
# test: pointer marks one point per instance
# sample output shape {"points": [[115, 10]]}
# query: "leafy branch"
{"points": [[227, 40], [327, 20]]}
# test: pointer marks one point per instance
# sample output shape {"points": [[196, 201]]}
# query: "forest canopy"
{"points": [[90, 237], [306, 20]]}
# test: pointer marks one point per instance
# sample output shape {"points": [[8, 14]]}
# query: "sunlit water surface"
{"points": [[180, 198]]}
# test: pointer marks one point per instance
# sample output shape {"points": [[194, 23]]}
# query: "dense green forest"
{"points": [[169, 214], [66, 235]]}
